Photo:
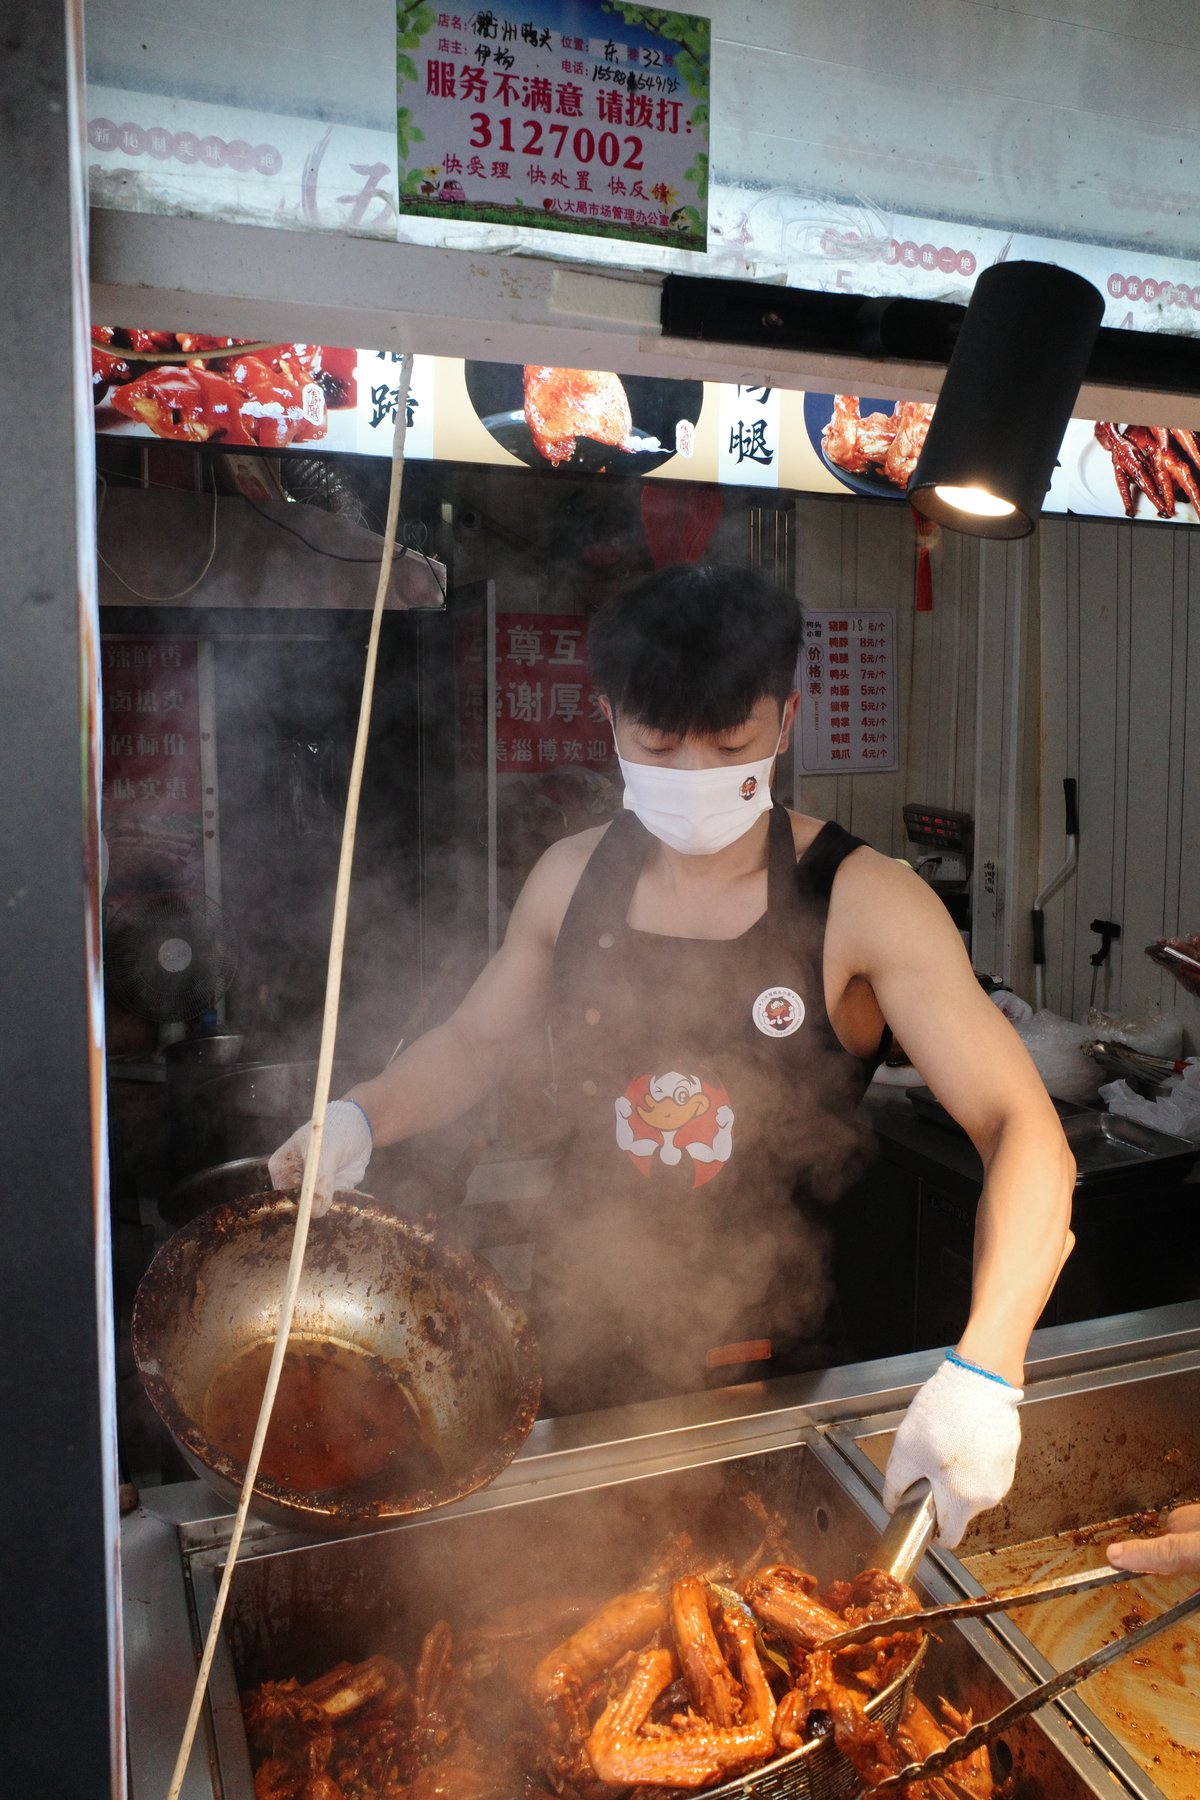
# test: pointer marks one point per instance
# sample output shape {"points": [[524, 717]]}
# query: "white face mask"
{"points": [[699, 811]]}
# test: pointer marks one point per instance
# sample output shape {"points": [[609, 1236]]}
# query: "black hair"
{"points": [[694, 647]]}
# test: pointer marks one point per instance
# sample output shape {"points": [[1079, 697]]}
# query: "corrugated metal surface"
{"points": [[1120, 652]]}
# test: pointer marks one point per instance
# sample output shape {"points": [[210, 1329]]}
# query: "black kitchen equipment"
{"points": [[169, 956], [215, 1187], [1109, 933], [1056, 881], [190, 1062], [247, 1110]]}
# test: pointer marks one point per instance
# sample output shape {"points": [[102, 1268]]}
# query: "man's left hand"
{"points": [[1177, 1552], [962, 1432]]}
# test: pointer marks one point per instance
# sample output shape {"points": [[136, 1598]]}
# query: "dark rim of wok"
{"points": [[161, 1287], [743, 1785]]}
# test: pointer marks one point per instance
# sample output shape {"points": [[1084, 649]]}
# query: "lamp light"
{"points": [[1013, 379]]}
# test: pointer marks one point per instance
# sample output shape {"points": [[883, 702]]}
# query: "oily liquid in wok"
{"points": [[341, 1417]]}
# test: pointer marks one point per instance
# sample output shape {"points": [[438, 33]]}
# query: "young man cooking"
{"points": [[720, 975]]}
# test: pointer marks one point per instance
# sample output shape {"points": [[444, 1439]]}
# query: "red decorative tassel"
{"points": [[678, 520], [927, 533]]}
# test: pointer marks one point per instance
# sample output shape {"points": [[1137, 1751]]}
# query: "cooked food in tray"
{"points": [[700, 1675], [885, 444]]}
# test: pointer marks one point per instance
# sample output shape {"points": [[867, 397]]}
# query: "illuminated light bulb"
{"points": [[975, 500]]}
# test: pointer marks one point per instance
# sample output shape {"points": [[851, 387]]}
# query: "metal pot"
{"points": [[215, 1187], [190, 1061], [437, 1318], [273, 1090], [244, 1111]]}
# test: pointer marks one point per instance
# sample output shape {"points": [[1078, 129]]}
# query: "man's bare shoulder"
{"points": [[864, 870], [881, 911], [553, 879]]}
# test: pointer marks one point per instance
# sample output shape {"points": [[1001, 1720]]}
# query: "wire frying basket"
{"points": [[819, 1771]]}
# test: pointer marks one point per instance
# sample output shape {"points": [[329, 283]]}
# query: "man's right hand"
{"points": [[346, 1146]]}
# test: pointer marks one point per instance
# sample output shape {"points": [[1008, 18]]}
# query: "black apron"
{"points": [[711, 1112]]}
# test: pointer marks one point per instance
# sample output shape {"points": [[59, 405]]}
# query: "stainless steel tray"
{"points": [[298, 1605], [1110, 1152]]}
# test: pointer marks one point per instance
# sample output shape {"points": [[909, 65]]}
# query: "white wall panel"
{"points": [[864, 556], [1120, 632]]}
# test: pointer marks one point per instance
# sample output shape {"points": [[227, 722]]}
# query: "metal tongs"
{"points": [[1062, 1683], [1062, 1585]]}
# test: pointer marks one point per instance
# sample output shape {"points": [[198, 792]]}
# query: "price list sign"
{"points": [[847, 682], [576, 115], [547, 711]]}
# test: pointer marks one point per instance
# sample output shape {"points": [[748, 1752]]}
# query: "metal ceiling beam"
{"points": [[169, 273], [248, 281]]}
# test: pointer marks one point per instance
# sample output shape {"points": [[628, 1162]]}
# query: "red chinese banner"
{"points": [[547, 711], [152, 800]]}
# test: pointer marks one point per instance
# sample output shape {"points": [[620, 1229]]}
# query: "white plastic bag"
{"points": [[1057, 1048], [1176, 1110], [1155, 1033]]}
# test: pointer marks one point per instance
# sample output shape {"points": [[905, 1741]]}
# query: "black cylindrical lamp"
{"points": [[1013, 379]]}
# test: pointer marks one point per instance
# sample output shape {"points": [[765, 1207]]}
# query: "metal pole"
{"points": [[57, 1412]]}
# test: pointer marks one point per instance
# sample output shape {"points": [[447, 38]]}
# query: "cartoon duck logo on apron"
{"points": [[676, 1117]]}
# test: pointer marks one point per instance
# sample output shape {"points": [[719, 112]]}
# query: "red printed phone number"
{"points": [[585, 146]]}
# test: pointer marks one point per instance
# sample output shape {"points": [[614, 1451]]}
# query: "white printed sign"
{"points": [[847, 682], [748, 436]]}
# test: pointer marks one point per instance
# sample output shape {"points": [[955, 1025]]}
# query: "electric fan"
{"points": [[168, 956]]}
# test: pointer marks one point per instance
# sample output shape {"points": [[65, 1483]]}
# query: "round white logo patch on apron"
{"points": [[778, 1012]]}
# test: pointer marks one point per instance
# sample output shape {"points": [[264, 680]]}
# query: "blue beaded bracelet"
{"points": [[960, 1362]]}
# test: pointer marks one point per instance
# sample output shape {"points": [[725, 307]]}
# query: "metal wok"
{"points": [[436, 1317]]}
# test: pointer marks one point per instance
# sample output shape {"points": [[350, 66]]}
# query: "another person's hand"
{"points": [[1185, 974], [962, 1432], [1177, 1552], [346, 1146]]}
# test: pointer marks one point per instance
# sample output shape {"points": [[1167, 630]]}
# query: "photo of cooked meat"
{"points": [[882, 446], [1153, 463], [172, 386], [583, 421], [562, 405]]}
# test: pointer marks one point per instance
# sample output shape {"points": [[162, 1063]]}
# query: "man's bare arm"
{"points": [[454, 1066], [893, 931]]}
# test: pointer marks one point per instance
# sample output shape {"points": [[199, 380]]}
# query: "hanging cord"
{"points": [[160, 599], [337, 940]]}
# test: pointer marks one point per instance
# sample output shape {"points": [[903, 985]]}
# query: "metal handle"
{"points": [[1071, 796], [909, 1533]]}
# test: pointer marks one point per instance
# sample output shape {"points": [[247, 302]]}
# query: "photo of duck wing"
{"points": [[562, 405]]}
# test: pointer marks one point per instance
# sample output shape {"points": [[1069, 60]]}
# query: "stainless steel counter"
{"points": [[577, 1472]]}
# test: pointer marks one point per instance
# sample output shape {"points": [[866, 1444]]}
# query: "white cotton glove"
{"points": [[962, 1432], [346, 1147]]}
